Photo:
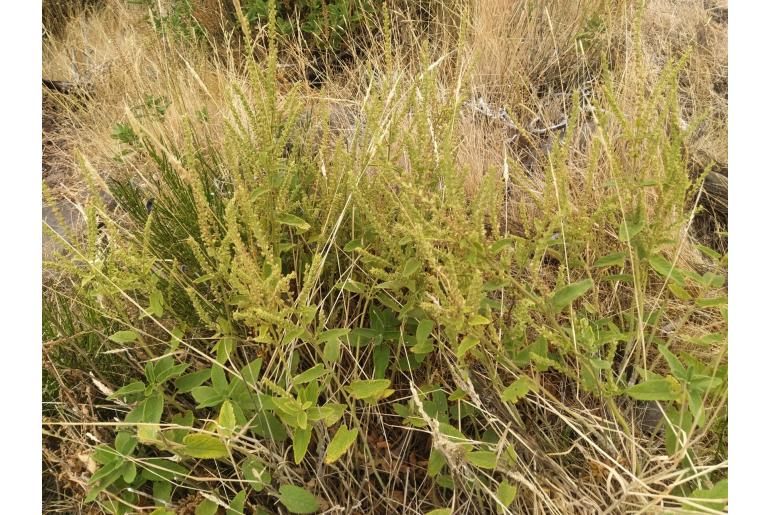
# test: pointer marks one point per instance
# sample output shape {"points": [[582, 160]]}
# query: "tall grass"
{"points": [[321, 301]]}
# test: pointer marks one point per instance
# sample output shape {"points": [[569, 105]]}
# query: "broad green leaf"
{"points": [[124, 337], [436, 462], [162, 491], [156, 303], [482, 459], [206, 396], [250, 372], [152, 409], [678, 291], [368, 388], [206, 507], [333, 334], [125, 443], [310, 374], [226, 418], [332, 350], [219, 379], [130, 389], [159, 469], [615, 259], [201, 445], [293, 221], [628, 230], [467, 344], [506, 493], [424, 329], [238, 504], [500, 245], [129, 472], [677, 369], [297, 500], [664, 389], [440, 511], [167, 374], [353, 245], [192, 380], [342, 440], [224, 349], [411, 266], [713, 498], [477, 319], [563, 297], [710, 303], [666, 270], [518, 389], [300, 443], [353, 286]]}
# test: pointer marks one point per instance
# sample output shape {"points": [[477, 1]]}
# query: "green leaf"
{"points": [[206, 396], [129, 472], [341, 442], [506, 493], [678, 291], [300, 443], [227, 418], [710, 303], [411, 266], [238, 504], [256, 473], [293, 221], [664, 389], [424, 329], [153, 408], [440, 511], [332, 350], [250, 372], [156, 303], [130, 389], [125, 443], [615, 259], [206, 507], [436, 462], [310, 374], [124, 337], [563, 297], [714, 498], [201, 445], [333, 334], [666, 270], [477, 319], [192, 380], [518, 389], [159, 469], [297, 500], [219, 379], [500, 245], [677, 369], [467, 344], [353, 286], [482, 459], [628, 230], [369, 388]]}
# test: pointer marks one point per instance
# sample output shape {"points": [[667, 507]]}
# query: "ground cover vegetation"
{"points": [[385, 257]]}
